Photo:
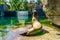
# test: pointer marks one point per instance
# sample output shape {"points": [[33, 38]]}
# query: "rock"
{"points": [[52, 7], [16, 33]]}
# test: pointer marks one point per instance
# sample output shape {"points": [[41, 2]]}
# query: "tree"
{"points": [[19, 5], [15, 5], [2, 2]]}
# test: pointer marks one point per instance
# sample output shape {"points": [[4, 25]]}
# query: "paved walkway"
{"points": [[50, 34]]}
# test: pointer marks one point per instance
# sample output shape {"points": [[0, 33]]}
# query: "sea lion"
{"points": [[35, 24]]}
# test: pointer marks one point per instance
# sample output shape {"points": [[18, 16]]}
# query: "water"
{"points": [[7, 20], [13, 20]]}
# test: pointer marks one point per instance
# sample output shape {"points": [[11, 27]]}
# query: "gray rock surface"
{"points": [[15, 34]]}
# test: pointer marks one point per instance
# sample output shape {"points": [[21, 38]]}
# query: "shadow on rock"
{"points": [[38, 34]]}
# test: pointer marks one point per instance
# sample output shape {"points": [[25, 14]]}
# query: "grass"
{"points": [[47, 23]]}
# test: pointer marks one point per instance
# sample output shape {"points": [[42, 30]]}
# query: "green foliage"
{"points": [[1, 2], [18, 5], [14, 5], [22, 6], [39, 1]]}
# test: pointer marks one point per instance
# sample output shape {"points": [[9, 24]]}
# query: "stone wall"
{"points": [[51, 5], [52, 9]]}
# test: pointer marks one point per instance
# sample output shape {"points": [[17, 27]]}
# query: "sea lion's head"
{"points": [[35, 14]]}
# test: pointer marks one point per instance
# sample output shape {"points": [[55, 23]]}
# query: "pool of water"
{"points": [[8, 20], [13, 20]]}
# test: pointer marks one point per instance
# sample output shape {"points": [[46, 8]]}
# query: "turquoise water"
{"points": [[10, 20], [13, 20]]}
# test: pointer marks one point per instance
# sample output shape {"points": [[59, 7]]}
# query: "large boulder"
{"points": [[52, 9]]}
